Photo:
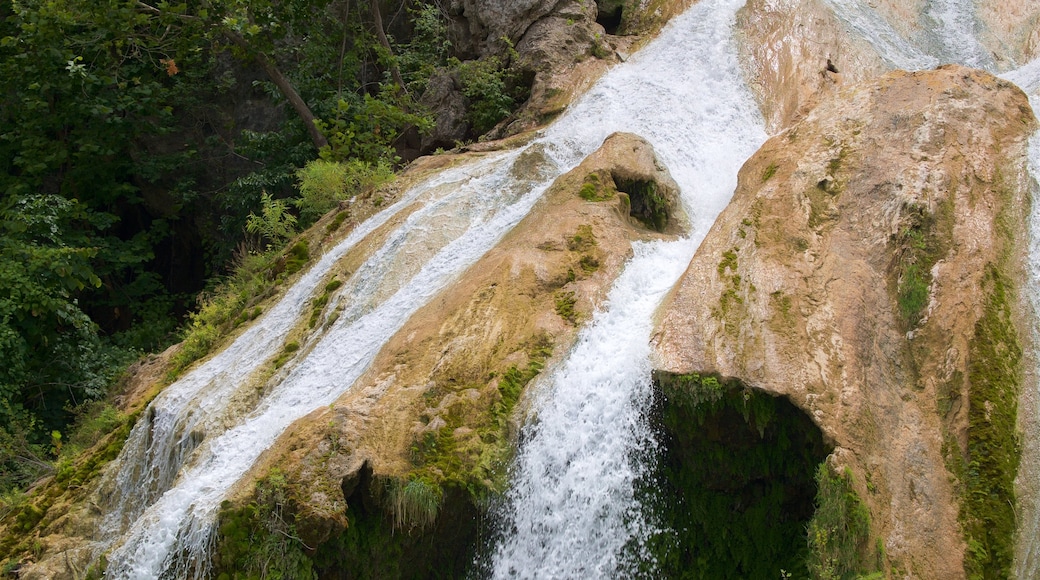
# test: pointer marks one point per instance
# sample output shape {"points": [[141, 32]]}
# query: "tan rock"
{"points": [[796, 289], [795, 53], [438, 378]]}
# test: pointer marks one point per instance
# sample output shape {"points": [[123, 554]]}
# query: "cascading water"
{"points": [[895, 50], [572, 509], [465, 211], [955, 38], [186, 458]]}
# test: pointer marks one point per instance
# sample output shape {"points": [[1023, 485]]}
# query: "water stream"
{"points": [[572, 510], [189, 451]]}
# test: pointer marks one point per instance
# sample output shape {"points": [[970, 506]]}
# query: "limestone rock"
{"points": [[482, 23], [444, 98], [795, 53], [851, 272], [429, 407]]}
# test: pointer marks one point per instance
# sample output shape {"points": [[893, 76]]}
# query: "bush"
{"points": [[274, 223], [324, 183], [839, 533]]}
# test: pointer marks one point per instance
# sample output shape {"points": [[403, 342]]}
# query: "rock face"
{"points": [[798, 52], [434, 411], [795, 53], [866, 269]]}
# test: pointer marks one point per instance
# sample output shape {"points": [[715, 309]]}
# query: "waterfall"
{"points": [[190, 448], [572, 508], [895, 50]]}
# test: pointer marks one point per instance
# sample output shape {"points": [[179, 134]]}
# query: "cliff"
{"points": [[870, 269]]}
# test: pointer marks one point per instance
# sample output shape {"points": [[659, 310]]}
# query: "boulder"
{"points": [[870, 268]]}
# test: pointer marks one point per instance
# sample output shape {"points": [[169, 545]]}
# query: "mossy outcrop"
{"points": [[869, 268], [422, 441]]}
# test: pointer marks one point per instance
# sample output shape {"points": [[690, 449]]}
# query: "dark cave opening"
{"points": [[373, 547], [609, 17], [735, 485], [646, 202]]}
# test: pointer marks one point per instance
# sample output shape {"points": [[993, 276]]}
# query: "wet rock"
{"points": [[854, 271]]}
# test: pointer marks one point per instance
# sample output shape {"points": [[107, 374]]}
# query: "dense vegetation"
{"points": [[147, 148]]}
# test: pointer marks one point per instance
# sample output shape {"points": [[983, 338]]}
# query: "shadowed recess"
{"points": [[736, 480]]}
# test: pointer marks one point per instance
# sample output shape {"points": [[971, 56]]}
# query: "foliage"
{"points": [[994, 451], [260, 540], [274, 223], [492, 86], [366, 128], [413, 503], [231, 303], [839, 533], [734, 483], [323, 184], [429, 48]]}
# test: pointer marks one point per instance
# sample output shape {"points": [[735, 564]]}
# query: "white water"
{"points": [[466, 211], [572, 509], [162, 439], [170, 526], [954, 36], [896, 51]]}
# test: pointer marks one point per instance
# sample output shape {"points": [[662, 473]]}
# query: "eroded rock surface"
{"points": [[869, 255], [435, 410]]}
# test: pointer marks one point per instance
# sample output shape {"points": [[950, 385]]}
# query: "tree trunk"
{"points": [[285, 87], [381, 35], [273, 72]]}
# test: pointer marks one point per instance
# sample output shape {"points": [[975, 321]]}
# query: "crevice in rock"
{"points": [[378, 544], [647, 204], [735, 484], [609, 15]]}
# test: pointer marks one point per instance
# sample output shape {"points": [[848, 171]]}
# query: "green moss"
{"points": [[259, 540], [297, 256], [769, 172], [320, 302], [994, 375], [565, 301], [588, 264], [582, 240], [286, 354], [729, 261], [437, 458], [839, 532], [593, 189], [919, 245], [70, 483], [337, 221]]}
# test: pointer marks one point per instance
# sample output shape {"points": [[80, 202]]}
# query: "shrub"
{"points": [[839, 532], [323, 184], [274, 223]]}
